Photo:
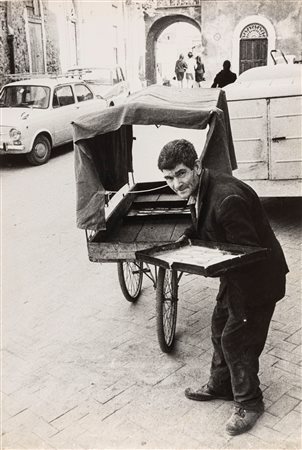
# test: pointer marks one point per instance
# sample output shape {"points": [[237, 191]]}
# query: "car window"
{"points": [[82, 92], [63, 96], [121, 74], [115, 77], [25, 96]]}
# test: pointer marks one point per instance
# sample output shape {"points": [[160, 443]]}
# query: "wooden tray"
{"points": [[210, 259]]}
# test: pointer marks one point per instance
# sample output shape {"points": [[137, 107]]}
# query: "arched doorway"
{"points": [[156, 30], [253, 47], [175, 39], [238, 34]]}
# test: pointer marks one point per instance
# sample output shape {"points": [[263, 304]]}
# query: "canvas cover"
{"points": [[103, 141]]}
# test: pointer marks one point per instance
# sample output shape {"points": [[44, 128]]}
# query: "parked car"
{"points": [[265, 107], [36, 115], [109, 82]]}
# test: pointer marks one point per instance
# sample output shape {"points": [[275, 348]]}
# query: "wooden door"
{"points": [[253, 53], [36, 47]]}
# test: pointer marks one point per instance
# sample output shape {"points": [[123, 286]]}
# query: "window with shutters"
{"points": [[33, 8]]}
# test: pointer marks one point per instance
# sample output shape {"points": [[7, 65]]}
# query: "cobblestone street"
{"points": [[81, 366]]}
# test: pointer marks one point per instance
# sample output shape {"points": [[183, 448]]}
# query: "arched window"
{"points": [[253, 47]]}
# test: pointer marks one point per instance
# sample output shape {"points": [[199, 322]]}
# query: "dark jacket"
{"points": [[223, 78], [229, 211], [180, 66]]}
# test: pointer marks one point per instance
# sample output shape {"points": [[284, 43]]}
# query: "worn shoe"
{"points": [[242, 420], [205, 394]]}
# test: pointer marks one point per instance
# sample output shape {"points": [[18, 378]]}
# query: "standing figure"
{"points": [[199, 71], [180, 68], [225, 76], [225, 209], [190, 70]]}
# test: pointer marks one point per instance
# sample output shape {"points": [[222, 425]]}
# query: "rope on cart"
{"points": [[140, 192]]}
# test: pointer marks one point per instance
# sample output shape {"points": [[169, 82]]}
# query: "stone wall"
{"points": [[4, 49], [52, 42], [219, 20], [13, 20]]}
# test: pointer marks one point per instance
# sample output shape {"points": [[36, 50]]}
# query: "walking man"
{"points": [[224, 209], [225, 76]]}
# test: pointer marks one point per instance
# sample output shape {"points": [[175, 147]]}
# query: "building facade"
{"points": [[245, 32], [48, 36], [31, 36], [242, 31]]}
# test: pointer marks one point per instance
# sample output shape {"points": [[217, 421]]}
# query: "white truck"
{"points": [[265, 107]]}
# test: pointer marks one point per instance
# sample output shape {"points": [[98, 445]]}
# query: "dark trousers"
{"points": [[238, 344]]}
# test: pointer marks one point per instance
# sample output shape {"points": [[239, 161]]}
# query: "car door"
{"points": [[65, 111]]}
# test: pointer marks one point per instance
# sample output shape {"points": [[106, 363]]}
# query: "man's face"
{"points": [[182, 180]]}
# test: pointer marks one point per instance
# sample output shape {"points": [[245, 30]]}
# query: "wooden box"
{"points": [[142, 219]]}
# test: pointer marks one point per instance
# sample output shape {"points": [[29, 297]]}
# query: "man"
{"points": [[224, 209], [225, 76]]}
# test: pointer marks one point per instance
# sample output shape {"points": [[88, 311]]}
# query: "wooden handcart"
{"points": [[136, 225]]}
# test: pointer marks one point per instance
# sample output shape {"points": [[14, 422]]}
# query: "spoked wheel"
{"points": [[130, 275], [166, 308]]}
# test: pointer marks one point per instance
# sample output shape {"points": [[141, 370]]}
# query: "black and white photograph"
{"points": [[151, 224]]}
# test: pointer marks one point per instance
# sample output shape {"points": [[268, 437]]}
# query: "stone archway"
{"points": [[155, 30]]}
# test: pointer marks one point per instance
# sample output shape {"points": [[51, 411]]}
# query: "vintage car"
{"points": [[109, 82], [36, 115], [265, 107]]}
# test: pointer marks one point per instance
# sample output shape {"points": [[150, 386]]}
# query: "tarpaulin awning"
{"points": [[103, 141]]}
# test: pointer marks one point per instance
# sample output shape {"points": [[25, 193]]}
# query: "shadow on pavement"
{"points": [[8, 162], [283, 209]]}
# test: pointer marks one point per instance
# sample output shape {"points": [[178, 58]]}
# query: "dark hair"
{"points": [[227, 64], [179, 151]]}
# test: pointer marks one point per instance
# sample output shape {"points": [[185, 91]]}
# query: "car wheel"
{"points": [[40, 152]]}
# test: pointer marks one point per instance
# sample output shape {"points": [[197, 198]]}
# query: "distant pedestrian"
{"points": [[190, 70], [180, 68], [225, 76], [199, 71]]}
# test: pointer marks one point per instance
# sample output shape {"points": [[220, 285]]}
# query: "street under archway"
{"points": [[158, 36], [175, 39]]}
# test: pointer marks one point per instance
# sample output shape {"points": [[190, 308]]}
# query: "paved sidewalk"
{"points": [[85, 371]]}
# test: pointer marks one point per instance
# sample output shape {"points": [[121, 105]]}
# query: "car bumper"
{"points": [[6, 148]]}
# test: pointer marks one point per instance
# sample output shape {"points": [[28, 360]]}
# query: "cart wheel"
{"points": [[130, 275], [166, 308]]}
